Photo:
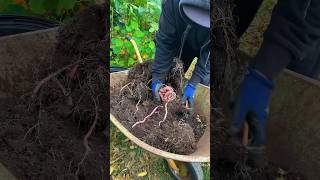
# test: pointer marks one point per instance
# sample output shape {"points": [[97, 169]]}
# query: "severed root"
{"points": [[144, 120], [167, 94], [86, 137], [125, 87], [48, 78], [165, 115], [137, 108]]}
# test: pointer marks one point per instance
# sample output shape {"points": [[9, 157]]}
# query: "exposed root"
{"points": [[48, 78], [29, 131], [167, 94], [149, 82], [137, 106], [63, 89], [125, 87], [86, 137], [144, 120], [242, 170], [74, 72], [165, 115]]}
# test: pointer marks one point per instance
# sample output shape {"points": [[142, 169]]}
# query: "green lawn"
{"points": [[128, 160]]}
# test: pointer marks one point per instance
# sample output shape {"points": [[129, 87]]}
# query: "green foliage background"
{"points": [[58, 10], [138, 19]]}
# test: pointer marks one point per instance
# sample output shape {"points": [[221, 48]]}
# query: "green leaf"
{"points": [[151, 45], [116, 49], [17, 10], [128, 45], [131, 61], [67, 4], [152, 29], [4, 4], [155, 25], [139, 34], [134, 25], [116, 28], [138, 41], [51, 6], [123, 31], [113, 63], [141, 10], [122, 63], [117, 42], [128, 28], [64, 4], [37, 6]]}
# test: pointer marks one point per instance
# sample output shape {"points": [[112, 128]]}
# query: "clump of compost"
{"points": [[167, 126]]}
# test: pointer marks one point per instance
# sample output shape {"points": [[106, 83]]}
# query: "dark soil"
{"points": [[41, 137], [181, 130], [231, 160]]}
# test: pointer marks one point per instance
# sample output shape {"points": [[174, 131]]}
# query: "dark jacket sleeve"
{"points": [[201, 73], [294, 30], [166, 40]]}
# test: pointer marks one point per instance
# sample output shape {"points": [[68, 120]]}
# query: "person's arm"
{"points": [[201, 73], [166, 40], [293, 30]]}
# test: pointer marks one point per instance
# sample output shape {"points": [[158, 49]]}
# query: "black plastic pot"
{"points": [[13, 24]]}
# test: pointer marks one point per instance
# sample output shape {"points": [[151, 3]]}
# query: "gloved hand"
{"points": [[252, 106], [188, 95], [156, 86]]}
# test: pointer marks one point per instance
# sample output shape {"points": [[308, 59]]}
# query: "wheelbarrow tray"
{"points": [[202, 107]]}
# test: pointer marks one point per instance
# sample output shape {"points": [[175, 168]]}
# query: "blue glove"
{"points": [[252, 105], [156, 86], [188, 95]]}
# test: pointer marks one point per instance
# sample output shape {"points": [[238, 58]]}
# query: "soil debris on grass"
{"points": [[56, 131], [132, 101]]}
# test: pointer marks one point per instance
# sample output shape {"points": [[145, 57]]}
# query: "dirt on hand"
{"points": [[176, 131], [56, 131]]}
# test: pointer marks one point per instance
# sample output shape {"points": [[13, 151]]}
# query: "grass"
{"points": [[127, 160]]}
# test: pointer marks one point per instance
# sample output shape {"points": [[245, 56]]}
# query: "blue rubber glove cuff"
{"points": [[188, 95], [155, 87]]}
